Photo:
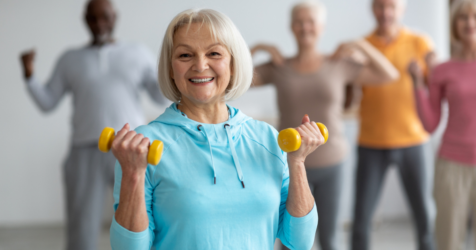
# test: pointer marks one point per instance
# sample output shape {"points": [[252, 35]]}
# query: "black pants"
{"points": [[371, 169], [326, 186]]}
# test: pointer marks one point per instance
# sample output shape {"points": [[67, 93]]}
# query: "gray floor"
{"points": [[386, 236]]}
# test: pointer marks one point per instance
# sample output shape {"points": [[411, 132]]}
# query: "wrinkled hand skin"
{"points": [[131, 149], [311, 139]]}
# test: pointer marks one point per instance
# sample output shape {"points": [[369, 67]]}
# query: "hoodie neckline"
{"points": [[199, 133]]}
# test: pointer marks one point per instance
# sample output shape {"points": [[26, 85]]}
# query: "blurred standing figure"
{"points": [[105, 78], [455, 173], [313, 83], [391, 132]]}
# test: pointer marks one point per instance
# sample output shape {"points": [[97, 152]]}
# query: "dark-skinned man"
{"points": [[104, 77]]}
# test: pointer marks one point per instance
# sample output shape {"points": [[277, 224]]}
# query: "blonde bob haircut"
{"points": [[456, 7], [226, 33], [318, 7]]}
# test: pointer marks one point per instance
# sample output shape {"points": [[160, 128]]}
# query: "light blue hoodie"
{"points": [[218, 186]]}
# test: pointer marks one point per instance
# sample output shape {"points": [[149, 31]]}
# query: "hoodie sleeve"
{"points": [[120, 237], [295, 232]]}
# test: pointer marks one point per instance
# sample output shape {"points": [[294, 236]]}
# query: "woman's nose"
{"points": [[200, 64]]}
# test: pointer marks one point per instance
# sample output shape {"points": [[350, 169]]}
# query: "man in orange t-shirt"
{"points": [[391, 131]]}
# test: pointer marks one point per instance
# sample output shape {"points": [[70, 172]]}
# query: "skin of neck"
{"points": [[388, 33], [468, 51], [306, 53], [100, 42], [209, 113]]}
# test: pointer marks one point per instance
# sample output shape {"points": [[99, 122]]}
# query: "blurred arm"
{"points": [[378, 69], [149, 79], [263, 74], [45, 96], [429, 104]]}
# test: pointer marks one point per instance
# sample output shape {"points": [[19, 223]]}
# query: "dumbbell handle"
{"points": [[289, 139], [108, 135]]}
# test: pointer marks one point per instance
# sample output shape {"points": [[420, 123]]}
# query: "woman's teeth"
{"points": [[201, 80]]}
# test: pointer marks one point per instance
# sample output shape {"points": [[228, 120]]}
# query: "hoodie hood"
{"points": [[173, 116], [224, 134]]}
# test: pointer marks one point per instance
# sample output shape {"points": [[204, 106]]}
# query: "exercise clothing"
{"points": [[105, 83], [88, 178], [387, 112], [372, 167], [319, 94], [455, 192], [453, 81], [326, 186], [217, 186]]}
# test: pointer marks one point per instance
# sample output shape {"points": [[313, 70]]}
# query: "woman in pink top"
{"points": [[314, 84], [455, 82]]}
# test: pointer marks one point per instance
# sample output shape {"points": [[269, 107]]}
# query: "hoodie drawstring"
{"points": [[233, 153], [204, 131]]}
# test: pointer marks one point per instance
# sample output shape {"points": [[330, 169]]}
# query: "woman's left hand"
{"points": [[416, 74], [311, 139]]}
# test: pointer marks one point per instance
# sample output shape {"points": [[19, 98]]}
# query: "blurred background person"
{"points": [[105, 78], [391, 132], [453, 82], [313, 83]]}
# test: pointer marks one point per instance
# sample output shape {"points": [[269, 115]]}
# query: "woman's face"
{"points": [[201, 66], [306, 27], [466, 26]]}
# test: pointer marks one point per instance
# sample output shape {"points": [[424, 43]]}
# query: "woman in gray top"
{"points": [[312, 83]]}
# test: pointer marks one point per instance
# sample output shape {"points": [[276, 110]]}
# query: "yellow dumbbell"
{"points": [[289, 139], [108, 135]]}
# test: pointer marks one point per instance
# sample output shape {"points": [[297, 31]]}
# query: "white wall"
{"points": [[33, 145]]}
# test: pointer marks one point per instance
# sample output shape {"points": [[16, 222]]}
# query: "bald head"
{"points": [[100, 17], [388, 13], [402, 2]]}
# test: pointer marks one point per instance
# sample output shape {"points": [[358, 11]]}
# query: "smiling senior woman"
{"points": [[223, 182]]}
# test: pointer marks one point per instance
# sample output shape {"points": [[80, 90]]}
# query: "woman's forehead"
{"points": [[305, 13], [196, 35], [467, 10]]}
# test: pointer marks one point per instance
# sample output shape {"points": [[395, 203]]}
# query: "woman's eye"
{"points": [[184, 55], [214, 54]]}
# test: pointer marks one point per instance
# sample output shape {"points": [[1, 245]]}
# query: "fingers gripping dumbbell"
{"points": [[289, 139], [107, 137]]}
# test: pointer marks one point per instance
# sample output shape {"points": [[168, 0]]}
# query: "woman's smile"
{"points": [[201, 81]]}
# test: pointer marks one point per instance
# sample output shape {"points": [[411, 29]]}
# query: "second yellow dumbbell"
{"points": [[289, 139], [107, 137]]}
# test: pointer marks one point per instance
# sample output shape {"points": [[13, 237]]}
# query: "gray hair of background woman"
{"points": [[318, 7], [225, 32]]}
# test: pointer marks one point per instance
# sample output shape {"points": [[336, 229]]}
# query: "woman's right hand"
{"points": [[131, 149], [276, 57]]}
